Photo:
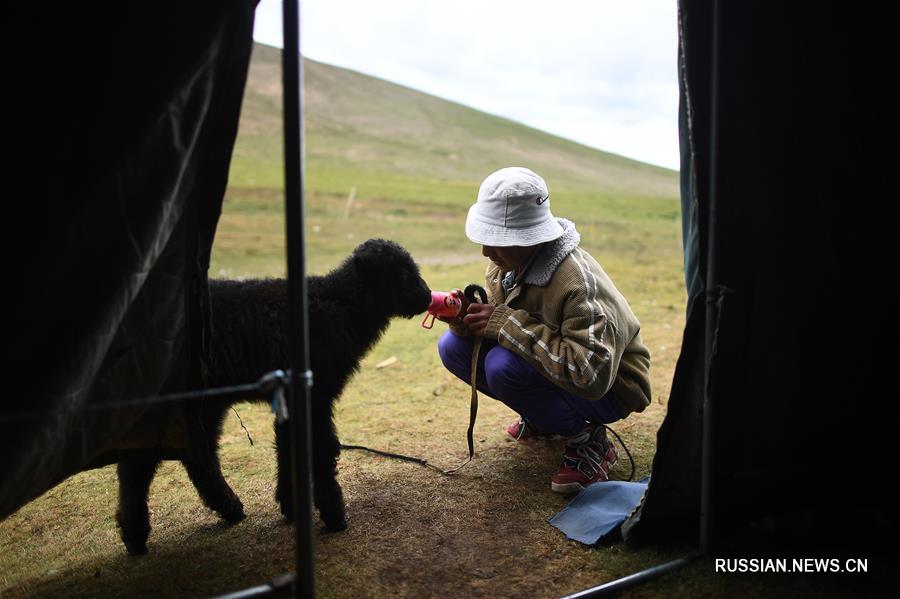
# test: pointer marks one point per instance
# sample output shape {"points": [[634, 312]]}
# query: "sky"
{"points": [[600, 72]]}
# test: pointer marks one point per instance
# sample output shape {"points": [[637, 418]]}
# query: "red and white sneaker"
{"points": [[588, 458], [522, 430]]}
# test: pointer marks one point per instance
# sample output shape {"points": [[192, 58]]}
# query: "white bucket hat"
{"points": [[513, 208]]}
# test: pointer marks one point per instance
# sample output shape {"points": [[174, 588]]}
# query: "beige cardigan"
{"points": [[566, 317]]}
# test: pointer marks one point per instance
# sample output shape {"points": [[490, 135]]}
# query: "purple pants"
{"points": [[505, 376]]}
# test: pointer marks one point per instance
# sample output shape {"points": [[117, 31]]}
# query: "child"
{"points": [[561, 345]]}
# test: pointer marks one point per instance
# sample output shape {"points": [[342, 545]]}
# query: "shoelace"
{"points": [[579, 439], [523, 427], [582, 444], [594, 460]]}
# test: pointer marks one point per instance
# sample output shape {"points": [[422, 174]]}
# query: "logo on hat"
{"points": [[541, 200]]}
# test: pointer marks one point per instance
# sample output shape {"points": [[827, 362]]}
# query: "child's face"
{"points": [[508, 258]]}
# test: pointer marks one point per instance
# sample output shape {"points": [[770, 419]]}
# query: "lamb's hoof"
{"points": [[336, 524], [135, 547], [234, 513], [335, 521], [287, 511], [134, 536]]}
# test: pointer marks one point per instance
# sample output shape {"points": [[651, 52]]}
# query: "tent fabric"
{"points": [[125, 121], [791, 239]]}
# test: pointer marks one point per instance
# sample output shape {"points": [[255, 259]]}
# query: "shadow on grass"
{"points": [[207, 560]]}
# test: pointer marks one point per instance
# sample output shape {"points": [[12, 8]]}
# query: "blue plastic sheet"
{"points": [[598, 510]]}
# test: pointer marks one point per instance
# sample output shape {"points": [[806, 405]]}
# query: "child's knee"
{"points": [[505, 370], [452, 350]]}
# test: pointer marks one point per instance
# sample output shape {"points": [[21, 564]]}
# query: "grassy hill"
{"points": [[412, 163], [355, 123]]}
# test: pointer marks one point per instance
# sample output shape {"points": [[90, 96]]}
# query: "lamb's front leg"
{"points": [[328, 496], [204, 468], [133, 516], [214, 490], [327, 492]]}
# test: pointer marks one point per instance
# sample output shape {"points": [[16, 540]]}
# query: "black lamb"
{"points": [[349, 309]]}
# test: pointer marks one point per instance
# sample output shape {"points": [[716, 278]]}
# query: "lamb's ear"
{"points": [[366, 260]]}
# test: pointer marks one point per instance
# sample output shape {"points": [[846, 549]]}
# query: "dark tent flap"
{"points": [[792, 207], [126, 130]]}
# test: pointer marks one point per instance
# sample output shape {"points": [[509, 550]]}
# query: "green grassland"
{"points": [[386, 161]]}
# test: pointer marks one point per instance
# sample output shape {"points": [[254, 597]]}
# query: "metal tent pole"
{"points": [[614, 587], [298, 318]]}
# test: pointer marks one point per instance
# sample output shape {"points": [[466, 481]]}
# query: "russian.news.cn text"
{"points": [[808, 565]]}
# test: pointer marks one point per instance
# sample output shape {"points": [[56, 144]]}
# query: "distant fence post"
{"points": [[349, 206]]}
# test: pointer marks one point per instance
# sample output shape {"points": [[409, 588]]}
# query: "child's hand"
{"points": [[477, 317]]}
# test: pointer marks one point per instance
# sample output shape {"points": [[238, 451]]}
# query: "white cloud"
{"points": [[597, 72]]}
